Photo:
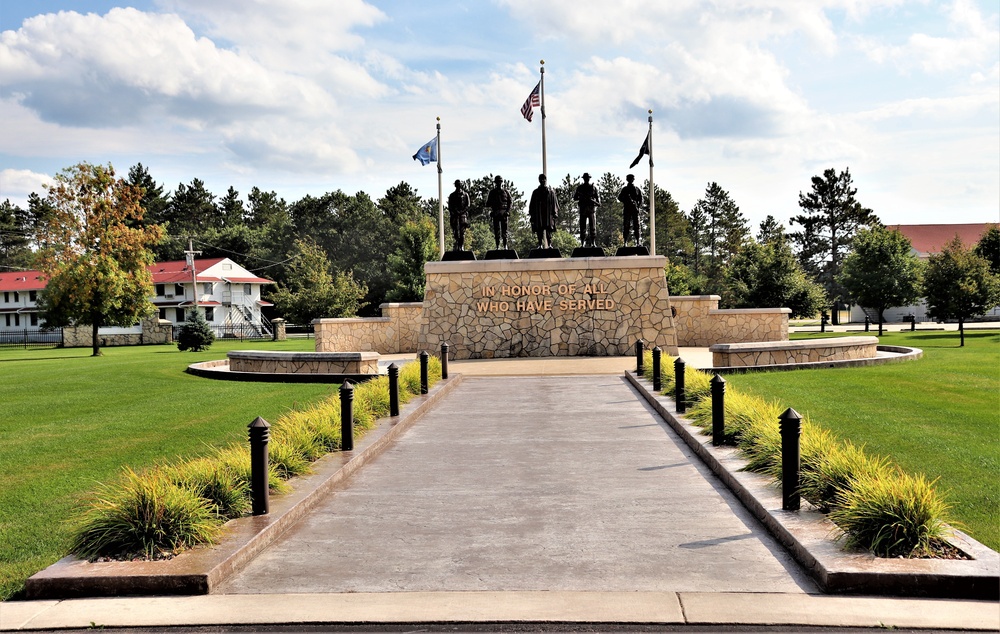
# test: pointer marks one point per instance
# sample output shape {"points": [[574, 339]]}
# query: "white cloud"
{"points": [[973, 42], [16, 185]]}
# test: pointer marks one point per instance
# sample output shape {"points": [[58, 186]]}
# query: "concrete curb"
{"points": [[200, 570], [809, 535]]}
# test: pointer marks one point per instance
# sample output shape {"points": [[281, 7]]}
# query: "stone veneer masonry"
{"points": [[736, 355], [701, 323], [276, 362], [397, 330], [154, 331], [547, 307]]}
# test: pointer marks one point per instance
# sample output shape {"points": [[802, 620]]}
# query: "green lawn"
{"points": [[70, 420], [939, 415]]}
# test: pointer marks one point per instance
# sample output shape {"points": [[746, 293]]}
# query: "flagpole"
{"points": [[440, 190], [541, 95], [652, 192]]}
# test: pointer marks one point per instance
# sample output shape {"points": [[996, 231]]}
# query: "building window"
{"points": [[159, 290], [247, 289], [8, 320], [34, 319], [163, 313], [17, 320], [179, 289], [180, 315], [209, 313], [207, 288], [6, 297], [17, 297], [33, 296]]}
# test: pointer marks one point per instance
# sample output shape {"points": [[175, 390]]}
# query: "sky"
{"points": [[304, 97]]}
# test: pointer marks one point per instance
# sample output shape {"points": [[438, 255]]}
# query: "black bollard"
{"points": [[822, 321], [424, 383], [913, 323], [656, 369], [868, 323], [347, 417], [260, 435], [638, 357], [790, 424], [393, 389], [679, 385], [718, 409], [444, 360]]}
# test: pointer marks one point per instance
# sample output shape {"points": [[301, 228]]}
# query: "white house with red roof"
{"points": [[927, 240], [227, 294], [18, 296]]}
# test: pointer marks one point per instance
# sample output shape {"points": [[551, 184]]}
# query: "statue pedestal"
{"points": [[458, 256], [539, 253], [543, 308], [501, 254], [588, 252], [629, 251]]}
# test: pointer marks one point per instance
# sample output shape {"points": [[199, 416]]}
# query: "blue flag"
{"points": [[428, 153]]}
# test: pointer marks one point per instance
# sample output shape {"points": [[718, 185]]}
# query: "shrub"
{"points": [[145, 515], [894, 516], [195, 335]]}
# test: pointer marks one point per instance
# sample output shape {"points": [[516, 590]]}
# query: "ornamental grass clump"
{"points": [[145, 515], [166, 509], [218, 483], [899, 516], [830, 472]]}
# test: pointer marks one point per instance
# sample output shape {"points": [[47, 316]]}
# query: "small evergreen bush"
{"points": [[195, 335]]}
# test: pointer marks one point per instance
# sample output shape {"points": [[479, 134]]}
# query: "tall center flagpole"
{"points": [[440, 190], [652, 192], [541, 95]]}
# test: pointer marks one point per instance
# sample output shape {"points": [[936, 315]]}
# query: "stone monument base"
{"points": [[588, 252], [543, 308]]}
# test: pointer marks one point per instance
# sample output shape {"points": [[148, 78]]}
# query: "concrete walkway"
{"points": [[517, 483]]}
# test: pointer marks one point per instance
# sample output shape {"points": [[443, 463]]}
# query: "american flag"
{"points": [[532, 101]]}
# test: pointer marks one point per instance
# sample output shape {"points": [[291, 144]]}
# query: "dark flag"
{"points": [[644, 150]]}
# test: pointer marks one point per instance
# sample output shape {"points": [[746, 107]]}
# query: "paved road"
{"points": [[529, 483]]}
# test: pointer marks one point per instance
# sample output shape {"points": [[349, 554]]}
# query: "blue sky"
{"points": [[309, 96]]}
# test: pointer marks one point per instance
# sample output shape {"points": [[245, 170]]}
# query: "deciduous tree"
{"points": [[958, 285], [96, 251], [881, 271], [314, 291], [768, 276]]}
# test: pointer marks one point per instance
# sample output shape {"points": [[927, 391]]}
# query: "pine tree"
{"points": [[196, 334]]}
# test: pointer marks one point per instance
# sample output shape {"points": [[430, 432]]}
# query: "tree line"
{"points": [[342, 254]]}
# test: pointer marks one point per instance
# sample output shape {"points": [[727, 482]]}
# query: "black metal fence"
{"points": [[31, 338], [303, 331], [239, 332]]}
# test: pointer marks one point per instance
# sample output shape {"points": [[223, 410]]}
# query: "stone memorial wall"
{"points": [[547, 307], [700, 322]]}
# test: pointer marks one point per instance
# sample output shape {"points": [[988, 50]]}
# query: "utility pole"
{"points": [[189, 255]]}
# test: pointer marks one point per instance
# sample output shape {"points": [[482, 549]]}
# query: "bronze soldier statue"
{"points": [[544, 211], [499, 202], [589, 200], [631, 199], [458, 211]]}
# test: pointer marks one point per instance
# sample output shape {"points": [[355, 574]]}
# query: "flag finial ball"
{"points": [[650, 111], [542, 61]]}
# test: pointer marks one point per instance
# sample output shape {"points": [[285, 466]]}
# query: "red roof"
{"points": [[21, 281], [928, 239]]}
